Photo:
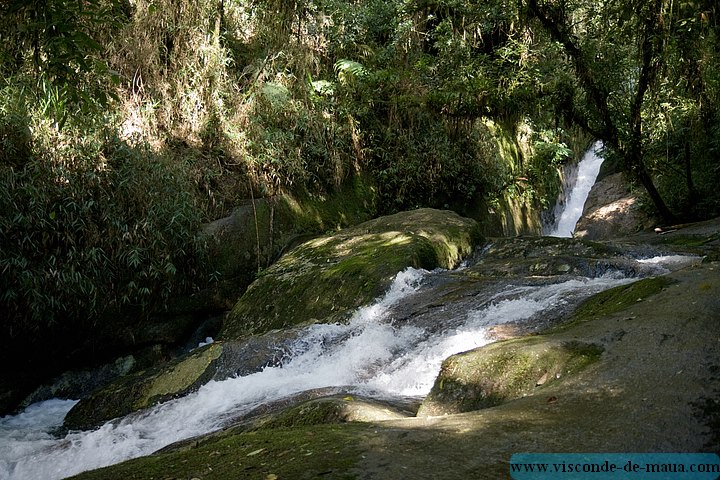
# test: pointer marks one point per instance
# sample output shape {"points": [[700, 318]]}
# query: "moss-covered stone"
{"points": [[144, 389], [256, 234], [278, 443], [330, 410], [325, 279], [551, 256], [303, 452], [504, 371], [619, 298], [658, 369]]}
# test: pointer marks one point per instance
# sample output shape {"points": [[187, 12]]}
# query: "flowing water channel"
{"points": [[373, 354]]}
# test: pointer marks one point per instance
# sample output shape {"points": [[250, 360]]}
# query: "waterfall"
{"points": [[587, 172]]}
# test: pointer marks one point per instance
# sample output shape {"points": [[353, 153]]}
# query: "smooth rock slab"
{"points": [[217, 361]]}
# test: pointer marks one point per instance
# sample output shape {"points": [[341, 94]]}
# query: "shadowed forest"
{"points": [[128, 125]]}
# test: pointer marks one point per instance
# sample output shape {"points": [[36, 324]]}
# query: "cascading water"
{"points": [[587, 173], [372, 354]]}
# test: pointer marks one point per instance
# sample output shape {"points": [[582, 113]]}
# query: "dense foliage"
{"points": [[84, 237], [126, 124], [638, 74]]}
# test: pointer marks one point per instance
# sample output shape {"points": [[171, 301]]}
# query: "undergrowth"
{"points": [[165, 115], [90, 225]]}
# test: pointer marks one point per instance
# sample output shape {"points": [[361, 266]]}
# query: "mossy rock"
{"points": [[322, 437], [330, 410], [144, 389], [504, 371], [218, 361], [325, 279], [619, 298], [544, 247], [258, 231], [304, 452]]}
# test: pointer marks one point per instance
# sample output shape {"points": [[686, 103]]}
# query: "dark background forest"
{"points": [[127, 125]]}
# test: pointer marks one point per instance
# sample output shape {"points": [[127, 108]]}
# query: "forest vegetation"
{"points": [[126, 125]]}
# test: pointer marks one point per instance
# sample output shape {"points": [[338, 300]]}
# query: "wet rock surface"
{"points": [[323, 280], [504, 269], [504, 371], [217, 361], [612, 209], [638, 371], [651, 389]]}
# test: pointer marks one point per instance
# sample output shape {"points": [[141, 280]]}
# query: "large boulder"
{"points": [[612, 210], [259, 230], [504, 371], [658, 369], [325, 279]]}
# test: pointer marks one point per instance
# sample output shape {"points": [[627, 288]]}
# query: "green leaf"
{"points": [[349, 70], [323, 87]]}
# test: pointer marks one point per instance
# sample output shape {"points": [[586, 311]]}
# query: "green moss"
{"points": [[583, 353], [691, 240], [257, 233], [504, 371], [305, 452], [308, 413], [109, 402], [320, 284], [327, 278], [619, 298], [144, 389], [180, 378], [356, 202]]}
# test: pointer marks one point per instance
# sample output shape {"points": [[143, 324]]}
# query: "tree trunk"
{"points": [[692, 194], [646, 181], [610, 127]]}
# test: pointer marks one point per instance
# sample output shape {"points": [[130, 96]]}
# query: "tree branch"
{"points": [[555, 22]]}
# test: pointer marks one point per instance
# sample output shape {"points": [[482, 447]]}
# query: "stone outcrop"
{"points": [[321, 280], [327, 278], [257, 232], [653, 388], [504, 371], [143, 389], [612, 210]]}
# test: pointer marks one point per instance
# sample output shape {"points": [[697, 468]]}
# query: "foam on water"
{"points": [[667, 263], [24, 433], [372, 353], [357, 349], [414, 372]]}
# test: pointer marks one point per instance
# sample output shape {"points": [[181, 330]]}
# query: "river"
{"points": [[372, 354]]}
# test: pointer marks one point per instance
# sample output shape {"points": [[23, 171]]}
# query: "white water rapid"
{"points": [[373, 354], [587, 173]]}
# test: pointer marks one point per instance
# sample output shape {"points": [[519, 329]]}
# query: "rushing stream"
{"points": [[373, 354]]}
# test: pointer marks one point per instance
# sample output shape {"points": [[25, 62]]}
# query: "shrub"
{"points": [[89, 224]]}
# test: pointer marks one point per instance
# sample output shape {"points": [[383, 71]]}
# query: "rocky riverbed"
{"points": [[635, 368]]}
